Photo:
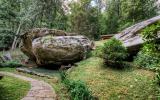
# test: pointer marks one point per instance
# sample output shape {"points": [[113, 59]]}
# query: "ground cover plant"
{"points": [[147, 59], [11, 64], [78, 90]]}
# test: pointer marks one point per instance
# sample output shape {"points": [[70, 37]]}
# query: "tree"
{"points": [[8, 21], [110, 18], [137, 10], [84, 18], [121, 14], [18, 16], [38, 13]]}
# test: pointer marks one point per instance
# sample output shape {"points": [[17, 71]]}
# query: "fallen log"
{"points": [[131, 37]]}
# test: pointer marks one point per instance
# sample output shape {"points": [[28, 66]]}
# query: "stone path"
{"points": [[40, 90]]}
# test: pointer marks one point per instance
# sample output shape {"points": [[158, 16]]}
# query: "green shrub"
{"points": [[150, 33], [157, 78], [147, 57], [115, 53], [146, 60], [78, 90], [11, 64]]}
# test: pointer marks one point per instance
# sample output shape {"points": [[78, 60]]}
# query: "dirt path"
{"points": [[40, 90]]}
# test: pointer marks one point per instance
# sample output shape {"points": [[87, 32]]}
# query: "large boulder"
{"points": [[131, 37], [47, 46]]}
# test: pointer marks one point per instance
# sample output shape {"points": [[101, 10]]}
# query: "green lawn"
{"points": [[13, 88], [112, 84]]}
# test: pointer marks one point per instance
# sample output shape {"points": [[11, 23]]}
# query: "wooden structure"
{"points": [[105, 37]]}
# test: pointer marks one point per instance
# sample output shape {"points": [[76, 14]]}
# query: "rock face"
{"points": [[46, 46], [131, 37]]}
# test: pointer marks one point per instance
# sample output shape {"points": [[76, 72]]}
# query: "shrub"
{"points": [[148, 57], [11, 64], [146, 60], [78, 89], [114, 53], [157, 78], [150, 33]]}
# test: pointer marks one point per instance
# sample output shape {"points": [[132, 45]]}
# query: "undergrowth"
{"points": [[78, 90]]}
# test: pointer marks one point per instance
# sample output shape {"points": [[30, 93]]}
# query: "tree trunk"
{"points": [[15, 38]]}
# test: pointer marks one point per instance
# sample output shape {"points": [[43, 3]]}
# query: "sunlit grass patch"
{"points": [[108, 84], [13, 88]]}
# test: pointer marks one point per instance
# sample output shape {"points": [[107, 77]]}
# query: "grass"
{"points": [[13, 88], [112, 84], [8, 69], [100, 43]]}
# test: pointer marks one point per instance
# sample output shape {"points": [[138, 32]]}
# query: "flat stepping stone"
{"points": [[40, 90]]}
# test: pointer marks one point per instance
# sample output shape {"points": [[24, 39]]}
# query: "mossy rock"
{"points": [[51, 48]]}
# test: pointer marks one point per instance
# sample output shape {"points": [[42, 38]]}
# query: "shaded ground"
{"points": [[112, 84], [13, 88]]}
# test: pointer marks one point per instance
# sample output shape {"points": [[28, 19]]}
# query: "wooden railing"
{"points": [[105, 37]]}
